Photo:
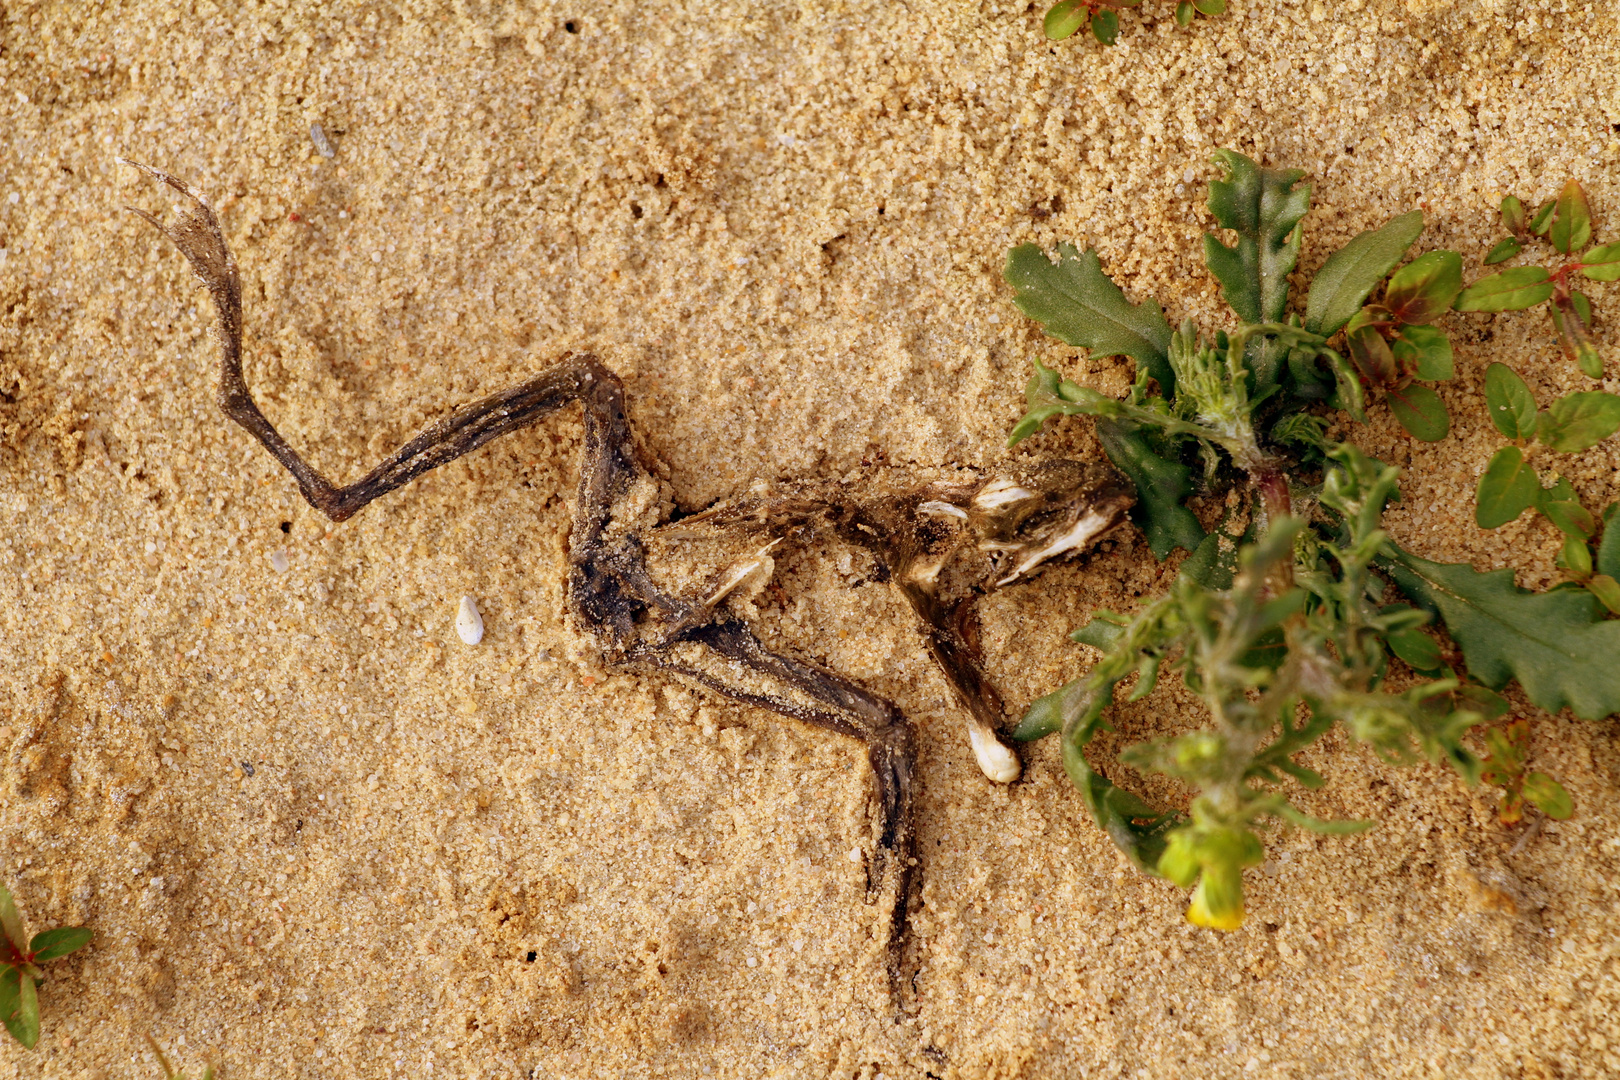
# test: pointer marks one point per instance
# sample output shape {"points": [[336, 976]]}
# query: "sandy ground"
{"points": [[319, 836]]}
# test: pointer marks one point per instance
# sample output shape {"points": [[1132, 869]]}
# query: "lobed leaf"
{"points": [[1571, 226], [1264, 207], [1510, 403], [1161, 487], [1080, 305], [1579, 421], [1508, 488], [1557, 644], [1511, 290], [1424, 289]]}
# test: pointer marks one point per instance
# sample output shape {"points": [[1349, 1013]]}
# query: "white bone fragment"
{"points": [[995, 760], [469, 624]]}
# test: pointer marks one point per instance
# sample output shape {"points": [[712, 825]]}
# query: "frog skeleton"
{"points": [[943, 545]]}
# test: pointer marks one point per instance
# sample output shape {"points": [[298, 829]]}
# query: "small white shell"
{"points": [[469, 624], [278, 561]]}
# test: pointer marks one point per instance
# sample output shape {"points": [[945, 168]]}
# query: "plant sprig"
{"points": [[1565, 222], [1288, 625], [20, 977], [1069, 17]]}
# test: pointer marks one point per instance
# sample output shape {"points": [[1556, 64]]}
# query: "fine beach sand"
{"points": [[783, 224]]}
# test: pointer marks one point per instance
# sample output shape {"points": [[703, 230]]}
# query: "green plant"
{"points": [[1505, 768], [1566, 223], [1068, 17], [1510, 485], [1283, 620], [20, 977], [168, 1070]]}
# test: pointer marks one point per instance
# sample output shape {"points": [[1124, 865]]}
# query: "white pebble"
{"points": [[469, 624], [278, 561], [855, 854]]}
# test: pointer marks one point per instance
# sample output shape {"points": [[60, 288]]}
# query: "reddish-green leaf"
{"points": [[1423, 290], [1576, 339], [1421, 412], [50, 944], [1602, 263], [1563, 508], [1571, 228], [1504, 250], [11, 925], [1548, 795], [1508, 488], [1543, 217], [1511, 290], [1064, 19], [1371, 355], [1573, 423], [19, 1006], [1105, 26], [1606, 589], [1510, 403], [1513, 215], [1424, 351]]}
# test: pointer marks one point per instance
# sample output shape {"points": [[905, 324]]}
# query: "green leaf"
{"points": [[1608, 553], [1508, 488], [1423, 290], [1511, 290], [1105, 26], [50, 944], [1576, 422], [1078, 304], [1549, 796], [1543, 217], [1424, 351], [1264, 207], [19, 1006], [1184, 12], [11, 925], [1510, 403], [1571, 227], [1418, 649], [1421, 412], [1582, 305], [1210, 7], [1576, 558], [1350, 274], [1560, 506], [1556, 644], [1161, 486], [1064, 19], [1512, 215], [1504, 250], [1602, 263], [1606, 589]]}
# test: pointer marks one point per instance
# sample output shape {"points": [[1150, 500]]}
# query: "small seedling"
{"points": [[1069, 17], [168, 1070], [1283, 621], [20, 977], [1505, 768], [1564, 222], [1510, 485]]}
